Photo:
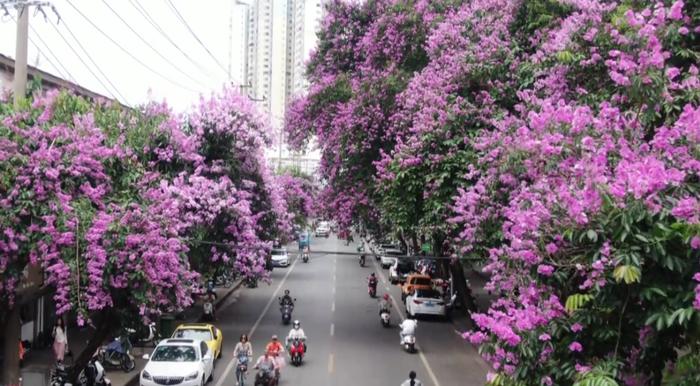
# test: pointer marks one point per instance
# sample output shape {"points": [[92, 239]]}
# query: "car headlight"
{"points": [[146, 375], [192, 376]]}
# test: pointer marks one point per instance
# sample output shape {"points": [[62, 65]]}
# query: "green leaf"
{"points": [[592, 235], [629, 273], [576, 301]]}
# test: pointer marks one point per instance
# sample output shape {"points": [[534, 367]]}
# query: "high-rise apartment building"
{"points": [[303, 21]]}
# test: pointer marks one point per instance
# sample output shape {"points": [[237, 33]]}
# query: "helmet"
{"points": [[386, 296], [274, 337], [297, 324], [286, 292], [372, 274]]}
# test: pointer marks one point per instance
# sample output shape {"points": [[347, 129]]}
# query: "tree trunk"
{"points": [[463, 291], [11, 330], [104, 325]]}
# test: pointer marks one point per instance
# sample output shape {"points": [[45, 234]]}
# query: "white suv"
{"points": [[185, 362]]}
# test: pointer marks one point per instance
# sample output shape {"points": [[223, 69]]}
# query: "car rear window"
{"points": [[389, 246], [404, 267], [421, 281], [278, 252], [393, 253], [428, 293], [193, 333]]}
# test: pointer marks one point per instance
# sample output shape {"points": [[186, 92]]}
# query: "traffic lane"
{"points": [[241, 316], [367, 351], [452, 359]]}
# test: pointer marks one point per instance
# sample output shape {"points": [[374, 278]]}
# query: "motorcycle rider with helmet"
{"points": [[268, 365], [296, 333], [372, 281], [384, 304], [275, 349], [286, 299], [408, 327]]}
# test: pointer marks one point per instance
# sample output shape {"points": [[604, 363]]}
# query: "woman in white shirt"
{"points": [[60, 339]]}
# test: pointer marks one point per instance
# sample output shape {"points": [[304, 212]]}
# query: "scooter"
{"points": [[305, 257], [117, 354], [95, 374], [385, 318], [266, 377], [241, 368], [286, 311], [372, 289], [362, 260], [296, 351], [151, 335], [409, 343]]}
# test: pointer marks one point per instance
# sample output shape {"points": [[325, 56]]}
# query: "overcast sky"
{"points": [[180, 86]]}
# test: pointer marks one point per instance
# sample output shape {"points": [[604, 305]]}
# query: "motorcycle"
{"points": [[385, 318], [208, 314], [117, 354], [59, 376], [241, 368], [305, 257], [149, 337], [223, 280], [372, 288], [95, 374], [251, 282], [296, 351], [286, 311], [266, 377], [409, 343]]}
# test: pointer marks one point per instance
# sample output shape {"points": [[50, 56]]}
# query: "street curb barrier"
{"points": [[134, 381]]}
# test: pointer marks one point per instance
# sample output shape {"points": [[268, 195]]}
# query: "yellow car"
{"points": [[208, 333]]}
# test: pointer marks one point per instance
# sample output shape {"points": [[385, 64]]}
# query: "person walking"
{"points": [[412, 381], [60, 339]]}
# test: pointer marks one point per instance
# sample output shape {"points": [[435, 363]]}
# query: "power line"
{"points": [[138, 35], [95, 63], [82, 61], [182, 19], [139, 61], [155, 25], [48, 48], [48, 59]]}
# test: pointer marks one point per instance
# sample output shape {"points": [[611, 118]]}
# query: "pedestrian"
{"points": [[60, 339], [412, 381]]}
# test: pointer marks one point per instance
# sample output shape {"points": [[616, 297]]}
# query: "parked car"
{"points": [[186, 362], [202, 331], [389, 256], [280, 257], [399, 270], [415, 281], [425, 302]]}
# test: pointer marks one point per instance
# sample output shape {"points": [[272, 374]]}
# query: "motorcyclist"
{"points": [[275, 348], [296, 333], [208, 308], [408, 327], [372, 281], [384, 304], [267, 364], [286, 299], [412, 381]]}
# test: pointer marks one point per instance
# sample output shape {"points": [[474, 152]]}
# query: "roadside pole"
{"points": [[20, 81]]}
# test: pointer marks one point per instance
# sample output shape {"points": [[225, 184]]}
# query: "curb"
{"points": [[134, 381]]}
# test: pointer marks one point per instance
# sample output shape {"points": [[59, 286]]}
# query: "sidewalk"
{"points": [[39, 363]]}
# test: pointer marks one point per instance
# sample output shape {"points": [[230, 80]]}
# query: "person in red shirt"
{"points": [[275, 348]]}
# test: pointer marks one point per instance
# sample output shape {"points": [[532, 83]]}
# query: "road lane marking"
{"points": [[331, 363], [332, 329], [423, 359], [333, 306], [232, 362], [334, 290]]}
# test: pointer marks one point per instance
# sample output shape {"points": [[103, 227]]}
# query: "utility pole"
{"points": [[10, 322], [20, 82]]}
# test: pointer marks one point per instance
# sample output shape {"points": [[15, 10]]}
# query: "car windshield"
{"points": [[389, 246], [403, 267], [194, 333], [393, 253], [174, 354], [278, 252], [421, 281], [428, 293]]}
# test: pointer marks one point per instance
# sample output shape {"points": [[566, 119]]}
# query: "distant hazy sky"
{"points": [[208, 18]]}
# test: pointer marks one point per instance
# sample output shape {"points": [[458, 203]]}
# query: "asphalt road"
{"points": [[346, 343]]}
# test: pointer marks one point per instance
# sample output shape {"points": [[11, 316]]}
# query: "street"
{"points": [[346, 342]]}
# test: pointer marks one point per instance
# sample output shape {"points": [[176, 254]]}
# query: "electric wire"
{"points": [[138, 35], [146, 15], [139, 61], [48, 59], [83, 62], [65, 73], [182, 19], [95, 63]]}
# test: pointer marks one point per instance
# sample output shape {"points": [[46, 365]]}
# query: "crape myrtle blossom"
{"points": [[132, 193], [556, 166]]}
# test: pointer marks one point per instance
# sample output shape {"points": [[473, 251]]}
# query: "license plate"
{"points": [[429, 304]]}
